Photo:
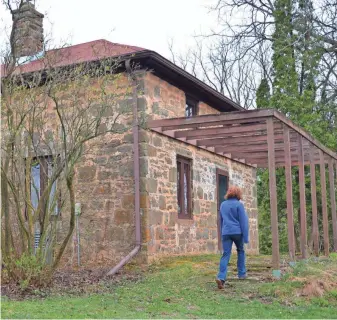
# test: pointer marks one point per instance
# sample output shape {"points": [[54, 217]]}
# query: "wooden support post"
{"points": [[289, 188], [314, 202], [303, 212], [333, 204], [273, 194], [324, 204]]}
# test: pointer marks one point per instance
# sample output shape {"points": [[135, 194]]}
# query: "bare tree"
{"points": [[50, 115], [218, 65]]}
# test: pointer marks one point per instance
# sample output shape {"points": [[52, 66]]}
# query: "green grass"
{"points": [[184, 288]]}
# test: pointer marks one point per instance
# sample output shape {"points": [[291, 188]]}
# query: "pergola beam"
{"points": [[273, 195], [324, 205], [289, 191], [212, 118], [303, 211], [333, 204], [315, 232], [219, 131], [256, 147], [234, 140]]}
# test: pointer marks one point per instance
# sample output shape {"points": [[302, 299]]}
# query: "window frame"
{"points": [[43, 161], [193, 104], [181, 162]]}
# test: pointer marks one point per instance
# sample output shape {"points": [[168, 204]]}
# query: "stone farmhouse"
{"points": [[155, 191]]}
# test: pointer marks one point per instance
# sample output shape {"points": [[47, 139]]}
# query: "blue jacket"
{"points": [[234, 219]]}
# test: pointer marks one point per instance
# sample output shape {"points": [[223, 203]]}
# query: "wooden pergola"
{"points": [[265, 138]]}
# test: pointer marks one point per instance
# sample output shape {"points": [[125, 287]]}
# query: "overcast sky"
{"points": [[145, 23]]}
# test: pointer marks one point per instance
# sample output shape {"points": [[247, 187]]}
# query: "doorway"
{"points": [[222, 178]]}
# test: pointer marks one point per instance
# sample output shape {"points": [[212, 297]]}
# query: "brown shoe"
{"points": [[220, 283]]}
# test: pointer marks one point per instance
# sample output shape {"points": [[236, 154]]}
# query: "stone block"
{"points": [[142, 104], [128, 138], [200, 193], [86, 173], [202, 234], [116, 233], [155, 217], [126, 169], [173, 175], [168, 160], [157, 141], [122, 216], [128, 201], [196, 207], [124, 148], [184, 152], [143, 167], [101, 161], [211, 246], [213, 208], [159, 234], [103, 189], [148, 185], [214, 234], [162, 202], [148, 151], [157, 91], [107, 175], [144, 201], [113, 159]]}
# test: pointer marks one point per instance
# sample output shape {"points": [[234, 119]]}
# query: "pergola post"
{"points": [[333, 204], [303, 212], [289, 189], [273, 194], [324, 204], [314, 202]]}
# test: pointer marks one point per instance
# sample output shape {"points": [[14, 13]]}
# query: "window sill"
{"points": [[185, 221]]}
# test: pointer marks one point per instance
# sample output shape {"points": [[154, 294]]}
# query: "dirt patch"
{"points": [[317, 288], [69, 282]]}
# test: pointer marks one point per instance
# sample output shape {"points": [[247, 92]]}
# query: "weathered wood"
{"points": [[218, 132], [220, 123], [257, 147], [324, 205], [211, 118], [315, 233], [278, 115], [273, 194], [333, 204], [289, 189], [303, 211], [236, 140]]}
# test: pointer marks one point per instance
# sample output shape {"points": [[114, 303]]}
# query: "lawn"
{"points": [[184, 287]]}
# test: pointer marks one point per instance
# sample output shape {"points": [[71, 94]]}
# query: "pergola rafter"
{"points": [[265, 138]]}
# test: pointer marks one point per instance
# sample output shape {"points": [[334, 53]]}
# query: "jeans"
{"points": [[227, 242]]}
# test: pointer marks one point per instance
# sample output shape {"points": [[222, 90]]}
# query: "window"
{"points": [[41, 172], [191, 108], [184, 188]]}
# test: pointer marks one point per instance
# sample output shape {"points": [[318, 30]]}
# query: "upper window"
{"points": [[191, 108], [184, 188]]}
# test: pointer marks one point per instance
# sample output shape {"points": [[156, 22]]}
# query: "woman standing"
{"points": [[234, 228]]}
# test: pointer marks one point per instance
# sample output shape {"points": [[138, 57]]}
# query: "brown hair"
{"points": [[234, 192]]}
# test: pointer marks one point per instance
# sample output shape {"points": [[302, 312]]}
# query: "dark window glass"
{"points": [[191, 108], [184, 186]]}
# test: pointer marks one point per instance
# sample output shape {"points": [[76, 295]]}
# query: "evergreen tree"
{"points": [[263, 94]]}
